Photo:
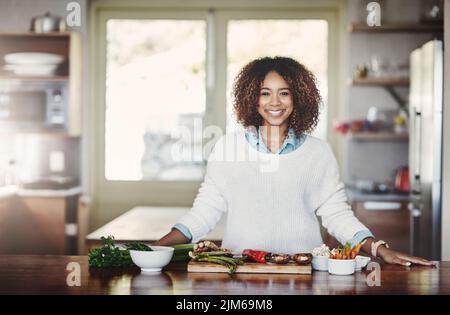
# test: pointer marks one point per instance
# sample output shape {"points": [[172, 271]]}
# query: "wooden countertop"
{"points": [[7, 191], [47, 275]]}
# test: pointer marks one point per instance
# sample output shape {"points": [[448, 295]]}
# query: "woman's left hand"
{"points": [[393, 257]]}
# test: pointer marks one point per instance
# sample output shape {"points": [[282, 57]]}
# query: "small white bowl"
{"points": [[320, 263], [361, 262], [341, 266], [152, 261]]}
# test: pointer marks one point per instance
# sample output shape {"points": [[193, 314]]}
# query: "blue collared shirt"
{"points": [[290, 144]]}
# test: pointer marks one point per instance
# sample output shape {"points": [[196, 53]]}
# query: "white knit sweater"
{"points": [[272, 201]]}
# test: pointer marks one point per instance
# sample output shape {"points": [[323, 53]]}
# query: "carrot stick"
{"points": [[357, 248]]}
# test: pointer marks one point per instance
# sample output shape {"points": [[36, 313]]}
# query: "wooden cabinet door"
{"points": [[4, 224], [33, 225], [391, 226]]}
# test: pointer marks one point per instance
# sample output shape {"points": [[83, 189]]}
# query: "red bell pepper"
{"points": [[258, 256]]}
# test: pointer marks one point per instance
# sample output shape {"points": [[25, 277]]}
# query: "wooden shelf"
{"points": [[57, 78], [396, 28], [50, 134], [17, 128], [40, 134], [31, 34], [379, 136], [381, 82]]}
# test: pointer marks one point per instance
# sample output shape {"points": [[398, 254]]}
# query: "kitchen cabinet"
{"points": [[4, 215], [43, 142], [47, 225], [387, 220], [39, 225], [40, 112]]}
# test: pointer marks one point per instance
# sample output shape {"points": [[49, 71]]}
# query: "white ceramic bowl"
{"points": [[152, 261], [33, 58], [43, 70], [361, 262], [320, 263], [341, 266]]}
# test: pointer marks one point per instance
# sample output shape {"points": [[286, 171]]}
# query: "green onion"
{"points": [[181, 252]]}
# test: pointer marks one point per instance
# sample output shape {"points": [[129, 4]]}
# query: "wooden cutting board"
{"points": [[195, 266]]}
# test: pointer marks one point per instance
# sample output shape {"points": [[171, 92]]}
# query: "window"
{"points": [[155, 84]]}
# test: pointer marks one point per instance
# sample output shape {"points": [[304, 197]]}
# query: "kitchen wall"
{"points": [[369, 160], [15, 16]]}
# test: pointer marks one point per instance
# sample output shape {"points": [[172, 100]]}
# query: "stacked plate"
{"points": [[33, 63]]}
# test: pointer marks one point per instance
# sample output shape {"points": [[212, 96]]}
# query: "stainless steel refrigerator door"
{"points": [[414, 147], [430, 149], [436, 192]]}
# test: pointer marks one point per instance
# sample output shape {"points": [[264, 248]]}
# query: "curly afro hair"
{"points": [[302, 82]]}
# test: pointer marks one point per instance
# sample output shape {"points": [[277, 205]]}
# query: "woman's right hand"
{"points": [[174, 237], [393, 257]]}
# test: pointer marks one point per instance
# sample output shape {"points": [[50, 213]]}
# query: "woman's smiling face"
{"points": [[275, 100]]}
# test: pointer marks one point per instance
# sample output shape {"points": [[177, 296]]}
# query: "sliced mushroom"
{"points": [[302, 258], [280, 258]]}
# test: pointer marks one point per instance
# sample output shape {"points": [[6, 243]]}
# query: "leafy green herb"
{"points": [[138, 246], [110, 255]]}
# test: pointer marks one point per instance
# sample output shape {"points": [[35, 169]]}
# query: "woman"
{"points": [[272, 200]]}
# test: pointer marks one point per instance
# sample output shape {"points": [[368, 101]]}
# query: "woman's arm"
{"points": [[209, 206], [174, 237], [338, 217]]}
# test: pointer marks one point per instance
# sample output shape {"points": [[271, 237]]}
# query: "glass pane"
{"points": [[155, 86], [304, 40]]}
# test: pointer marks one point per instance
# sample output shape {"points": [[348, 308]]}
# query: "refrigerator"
{"points": [[425, 150]]}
